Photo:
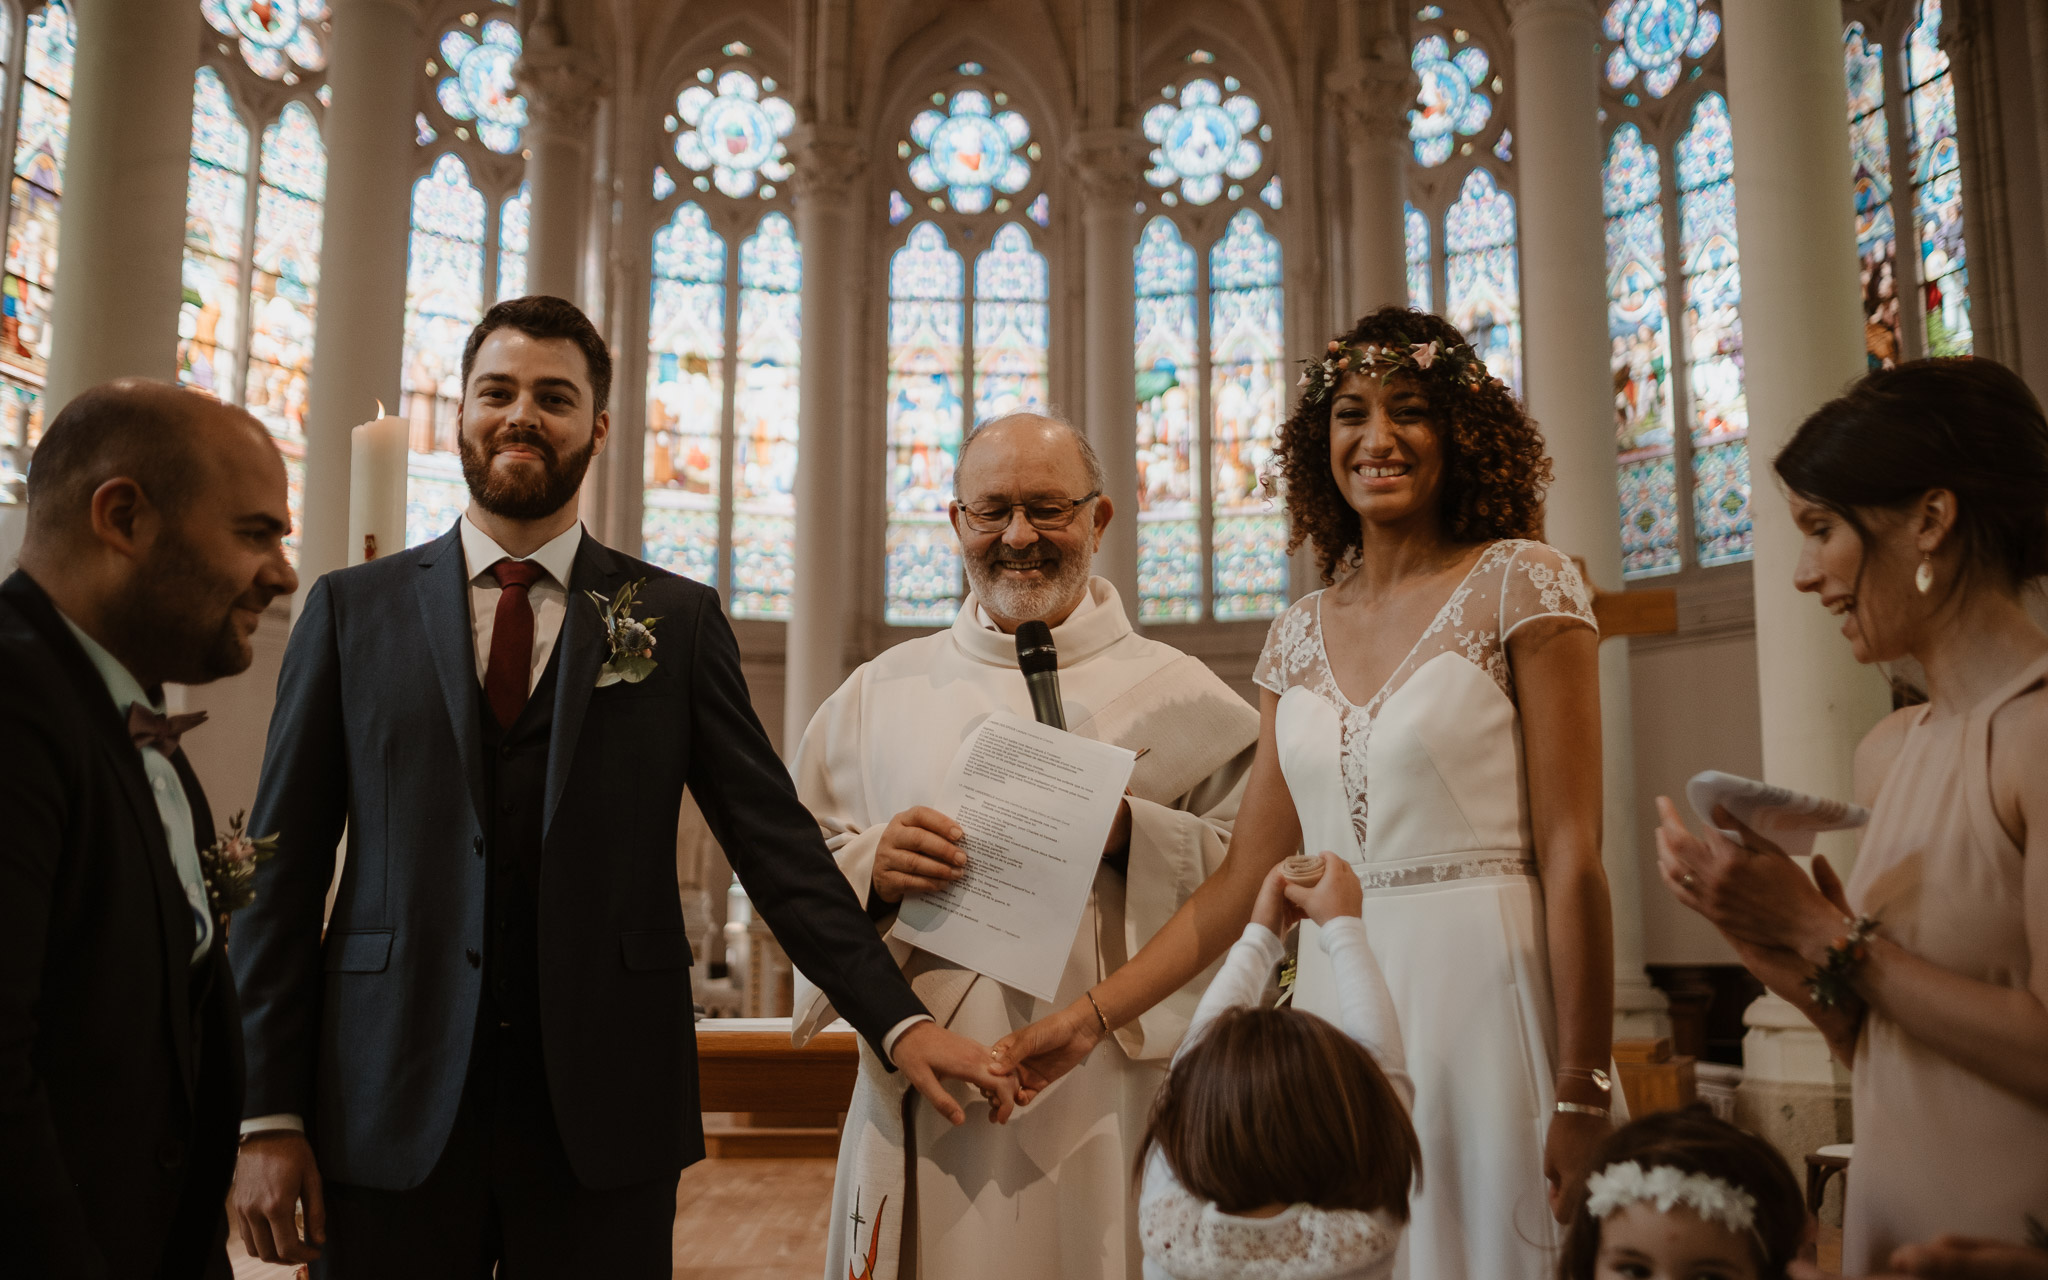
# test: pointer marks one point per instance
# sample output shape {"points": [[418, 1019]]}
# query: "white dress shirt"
{"points": [[549, 593], [173, 807]]}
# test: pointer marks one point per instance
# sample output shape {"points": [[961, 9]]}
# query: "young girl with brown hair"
{"points": [[1280, 1146]]}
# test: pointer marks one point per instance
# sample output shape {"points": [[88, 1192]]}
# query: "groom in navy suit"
{"points": [[489, 1057]]}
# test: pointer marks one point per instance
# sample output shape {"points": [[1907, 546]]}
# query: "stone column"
{"points": [[1374, 95], [621, 471], [1108, 162], [359, 329], [829, 166], [123, 221], [1802, 324], [561, 85], [1571, 393]]}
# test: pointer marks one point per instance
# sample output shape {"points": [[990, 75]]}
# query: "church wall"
{"points": [[2023, 115]]}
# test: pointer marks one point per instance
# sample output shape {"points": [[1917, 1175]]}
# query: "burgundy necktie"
{"points": [[510, 669]]}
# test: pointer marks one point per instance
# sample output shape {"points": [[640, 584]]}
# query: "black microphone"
{"points": [[1040, 663]]}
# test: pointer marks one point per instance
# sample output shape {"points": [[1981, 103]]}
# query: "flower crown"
{"points": [[1457, 362], [1627, 1183]]}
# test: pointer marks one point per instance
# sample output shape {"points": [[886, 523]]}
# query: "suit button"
{"points": [[170, 1153], [476, 846], [474, 956]]}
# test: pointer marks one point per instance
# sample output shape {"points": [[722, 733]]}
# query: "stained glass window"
{"points": [[1010, 320], [1482, 276], [1248, 556], [1652, 38], [971, 147], [1415, 230], [1937, 185], [478, 89], [41, 133], [729, 129], [686, 401], [284, 282], [1452, 102], [514, 219], [1169, 448], [1639, 330], [1200, 139], [279, 39], [216, 214], [444, 298], [1870, 162], [1711, 333], [765, 421], [927, 406]]}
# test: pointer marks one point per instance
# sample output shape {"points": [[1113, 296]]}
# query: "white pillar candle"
{"points": [[376, 489]]}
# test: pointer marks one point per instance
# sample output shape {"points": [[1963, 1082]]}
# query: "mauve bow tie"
{"points": [[162, 732]]}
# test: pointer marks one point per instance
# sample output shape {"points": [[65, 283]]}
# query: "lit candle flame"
{"points": [[380, 409]]}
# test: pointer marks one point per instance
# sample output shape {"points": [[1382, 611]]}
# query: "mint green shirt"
{"points": [[172, 805]]}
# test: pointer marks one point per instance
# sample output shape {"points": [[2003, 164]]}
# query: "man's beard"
{"points": [[1063, 581], [523, 496], [181, 613]]}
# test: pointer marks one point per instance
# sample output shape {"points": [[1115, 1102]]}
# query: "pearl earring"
{"points": [[1923, 577]]}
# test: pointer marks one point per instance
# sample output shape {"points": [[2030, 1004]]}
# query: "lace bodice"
{"points": [[1513, 583]]}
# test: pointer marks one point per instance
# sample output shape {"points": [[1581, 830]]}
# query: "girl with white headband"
{"points": [[1684, 1196]]}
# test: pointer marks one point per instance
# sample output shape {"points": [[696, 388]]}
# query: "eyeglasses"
{"points": [[1041, 513]]}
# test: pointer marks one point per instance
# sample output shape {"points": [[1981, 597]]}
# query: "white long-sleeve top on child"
{"points": [[1187, 1238]]}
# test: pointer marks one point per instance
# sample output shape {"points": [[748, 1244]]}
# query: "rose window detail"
{"points": [[278, 38], [479, 85], [970, 150], [1450, 103], [1203, 139], [735, 133], [1653, 38]]}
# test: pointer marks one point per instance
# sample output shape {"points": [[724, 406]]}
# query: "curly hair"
{"points": [[1495, 470]]}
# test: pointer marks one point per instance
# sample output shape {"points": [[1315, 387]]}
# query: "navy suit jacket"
{"points": [[120, 1061], [367, 1034]]}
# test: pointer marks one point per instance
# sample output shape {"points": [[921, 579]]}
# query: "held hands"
{"points": [[1751, 891], [919, 853], [273, 1172], [927, 1053]]}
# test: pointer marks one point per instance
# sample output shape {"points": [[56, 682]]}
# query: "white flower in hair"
{"points": [[1714, 1200]]}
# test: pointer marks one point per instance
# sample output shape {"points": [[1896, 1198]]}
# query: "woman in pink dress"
{"points": [[1922, 497]]}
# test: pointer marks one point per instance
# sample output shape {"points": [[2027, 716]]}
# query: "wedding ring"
{"points": [[1690, 881]]}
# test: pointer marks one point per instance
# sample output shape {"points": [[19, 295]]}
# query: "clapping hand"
{"points": [[1751, 891], [928, 1053]]}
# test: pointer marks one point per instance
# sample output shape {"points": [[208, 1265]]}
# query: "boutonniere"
{"points": [[631, 638], [229, 866]]}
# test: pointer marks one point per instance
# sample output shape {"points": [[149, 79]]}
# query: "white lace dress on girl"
{"points": [[1422, 788], [1188, 1238]]}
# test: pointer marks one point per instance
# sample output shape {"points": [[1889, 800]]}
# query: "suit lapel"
{"points": [[443, 590], [174, 910], [582, 651]]}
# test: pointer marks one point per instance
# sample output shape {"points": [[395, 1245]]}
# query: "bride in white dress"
{"points": [[1433, 718]]}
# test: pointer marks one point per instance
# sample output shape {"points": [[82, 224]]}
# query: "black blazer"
{"points": [[378, 724], [120, 1065]]}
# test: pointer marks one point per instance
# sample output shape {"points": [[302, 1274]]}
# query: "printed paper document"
{"points": [[1037, 804]]}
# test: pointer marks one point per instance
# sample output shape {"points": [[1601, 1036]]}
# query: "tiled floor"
{"points": [[735, 1220]]}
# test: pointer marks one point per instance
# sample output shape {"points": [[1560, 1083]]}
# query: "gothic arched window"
{"points": [[1902, 121], [41, 76], [467, 247], [963, 346], [253, 197], [1711, 331], [723, 346], [1460, 219], [1482, 275], [1674, 291], [1209, 346]]}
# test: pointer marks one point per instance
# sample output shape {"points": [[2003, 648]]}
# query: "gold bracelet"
{"points": [[1098, 1011]]}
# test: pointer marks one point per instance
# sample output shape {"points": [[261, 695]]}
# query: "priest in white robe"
{"points": [[1049, 1195]]}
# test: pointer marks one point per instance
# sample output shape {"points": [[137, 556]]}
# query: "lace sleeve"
{"points": [[1287, 647], [1542, 582]]}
